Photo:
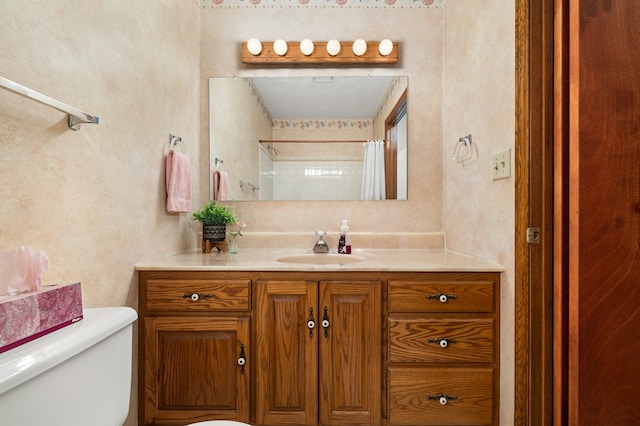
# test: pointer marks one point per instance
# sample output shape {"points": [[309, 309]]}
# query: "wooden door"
{"points": [[350, 353], [192, 370], [286, 352], [604, 213]]}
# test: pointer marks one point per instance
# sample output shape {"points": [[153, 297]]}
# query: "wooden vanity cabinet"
{"points": [[195, 339], [317, 345], [398, 348], [443, 350]]}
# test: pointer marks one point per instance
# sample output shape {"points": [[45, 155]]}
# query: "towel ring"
{"points": [[463, 150], [173, 142]]}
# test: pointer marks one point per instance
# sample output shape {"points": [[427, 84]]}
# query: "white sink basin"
{"points": [[321, 259]]}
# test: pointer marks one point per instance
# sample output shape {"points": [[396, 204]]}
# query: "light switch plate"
{"points": [[501, 165]]}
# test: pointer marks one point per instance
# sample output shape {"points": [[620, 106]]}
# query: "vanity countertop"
{"points": [[262, 259]]}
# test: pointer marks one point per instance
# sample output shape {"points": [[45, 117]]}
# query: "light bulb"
{"points": [[306, 47], [359, 47], [333, 47], [254, 46], [280, 47], [385, 47]]}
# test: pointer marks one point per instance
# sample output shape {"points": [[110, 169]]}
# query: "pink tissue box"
{"points": [[27, 316]]}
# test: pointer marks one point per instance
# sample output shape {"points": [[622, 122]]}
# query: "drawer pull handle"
{"points": [[196, 296], [242, 359], [443, 342], [311, 322], [442, 398], [443, 298], [325, 322]]}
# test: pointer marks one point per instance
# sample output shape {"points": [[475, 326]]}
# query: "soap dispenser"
{"points": [[343, 245]]}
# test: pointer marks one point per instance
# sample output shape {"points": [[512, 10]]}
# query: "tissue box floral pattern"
{"points": [[31, 315]]}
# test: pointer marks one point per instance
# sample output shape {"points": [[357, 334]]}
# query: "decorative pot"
{"points": [[215, 233]]}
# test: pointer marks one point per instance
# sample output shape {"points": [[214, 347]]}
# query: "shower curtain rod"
{"points": [[76, 117]]}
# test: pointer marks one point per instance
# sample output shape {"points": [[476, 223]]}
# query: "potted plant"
{"points": [[214, 221]]}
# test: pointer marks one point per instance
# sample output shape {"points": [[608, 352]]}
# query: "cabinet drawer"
{"points": [[415, 393], [433, 296], [427, 340], [198, 295]]}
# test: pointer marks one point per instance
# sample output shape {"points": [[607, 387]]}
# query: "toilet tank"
{"points": [[77, 376]]}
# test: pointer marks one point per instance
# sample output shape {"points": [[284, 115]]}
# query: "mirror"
{"points": [[304, 138]]}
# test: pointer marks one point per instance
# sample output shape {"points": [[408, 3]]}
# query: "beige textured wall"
{"points": [[419, 31], [479, 93], [94, 199]]}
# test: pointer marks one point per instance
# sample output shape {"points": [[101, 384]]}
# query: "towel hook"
{"points": [[217, 162]]}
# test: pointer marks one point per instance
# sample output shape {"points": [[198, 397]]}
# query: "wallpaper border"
{"points": [[349, 4]]}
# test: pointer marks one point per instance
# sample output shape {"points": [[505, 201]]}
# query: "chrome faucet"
{"points": [[321, 245]]}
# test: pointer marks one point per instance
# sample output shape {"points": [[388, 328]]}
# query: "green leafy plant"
{"points": [[214, 215]]}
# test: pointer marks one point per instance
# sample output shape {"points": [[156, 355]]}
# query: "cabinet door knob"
{"points": [[442, 298], [196, 296], [242, 359], [442, 398], [443, 342], [311, 322]]}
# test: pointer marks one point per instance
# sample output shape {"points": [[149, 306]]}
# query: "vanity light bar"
{"points": [[323, 52]]}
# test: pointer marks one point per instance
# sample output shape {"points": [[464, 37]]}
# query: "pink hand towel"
{"points": [[178, 178], [220, 185]]}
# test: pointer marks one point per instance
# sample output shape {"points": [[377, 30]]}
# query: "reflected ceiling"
{"points": [[323, 97]]}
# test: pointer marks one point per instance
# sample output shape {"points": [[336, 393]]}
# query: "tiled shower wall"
{"points": [[316, 180]]}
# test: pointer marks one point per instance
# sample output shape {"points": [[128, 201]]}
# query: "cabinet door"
{"points": [[192, 371], [350, 353], [286, 352]]}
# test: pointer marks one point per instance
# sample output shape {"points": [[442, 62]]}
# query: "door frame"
{"points": [[534, 180]]}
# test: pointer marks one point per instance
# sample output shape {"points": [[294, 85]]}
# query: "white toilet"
{"points": [[77, 376]]}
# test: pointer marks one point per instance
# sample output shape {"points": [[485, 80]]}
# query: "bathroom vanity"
{"points": [[396, 337]]}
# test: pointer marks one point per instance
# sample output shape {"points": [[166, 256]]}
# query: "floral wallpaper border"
{"points": [[258, 97], [322, 3], [321, 124], [388, 97]]}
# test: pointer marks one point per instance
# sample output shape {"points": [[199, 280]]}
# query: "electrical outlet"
{"points": [[501, 165]]}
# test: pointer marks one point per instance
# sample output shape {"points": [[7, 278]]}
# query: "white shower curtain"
{"points": [[373, 171]]}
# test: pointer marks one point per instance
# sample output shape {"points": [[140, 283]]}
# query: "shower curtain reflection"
{"points": [[373, 186]]}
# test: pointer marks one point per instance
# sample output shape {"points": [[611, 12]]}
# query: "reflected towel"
{"points": [[220, 185], [178, 178]]}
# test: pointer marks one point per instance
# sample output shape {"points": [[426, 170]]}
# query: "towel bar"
{"points": [[76, 117], [250, 185]]}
